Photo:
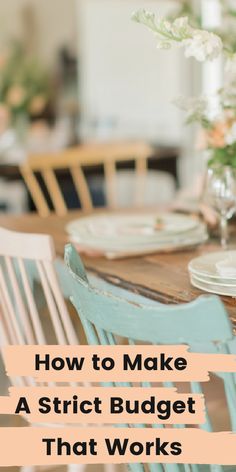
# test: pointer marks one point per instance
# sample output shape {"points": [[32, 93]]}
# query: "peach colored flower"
{"points": [[230, 115], [16, 96], [216, 136], [37, 104], [202, 140]]}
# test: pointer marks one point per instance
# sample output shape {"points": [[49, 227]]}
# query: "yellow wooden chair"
{"points": [[75, 160]]}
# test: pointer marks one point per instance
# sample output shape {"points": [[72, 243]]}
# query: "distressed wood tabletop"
{"points": [[161, 277]]}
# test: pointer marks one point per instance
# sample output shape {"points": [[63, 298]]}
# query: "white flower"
{"points": [[193, 105], [231, 135], [174, 32], [181, 27], [200, 44], [203, 45], [144, 17], [181, 22]]}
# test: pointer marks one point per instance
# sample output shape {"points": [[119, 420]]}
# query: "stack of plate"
{"points": [[118, 235], [215, 273]]}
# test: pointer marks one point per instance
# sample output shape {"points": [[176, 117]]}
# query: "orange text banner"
{"points": [[104, 405], [47, 446], [114, 363]]}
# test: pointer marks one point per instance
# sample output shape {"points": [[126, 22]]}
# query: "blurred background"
{"points": [[78, 71]]}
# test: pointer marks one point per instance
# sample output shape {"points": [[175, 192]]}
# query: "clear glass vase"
{"points": [[219, 194]]}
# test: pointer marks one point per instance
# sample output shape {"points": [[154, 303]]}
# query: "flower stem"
{"points": [[224, 231]]}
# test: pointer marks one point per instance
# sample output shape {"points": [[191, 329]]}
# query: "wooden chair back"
{"points": [[75, 160], [202, 324], [24, 259]]}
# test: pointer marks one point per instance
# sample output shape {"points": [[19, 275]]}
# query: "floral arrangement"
{"points": [[197, 43], [218, 129], [24, 85], [218, 134]]}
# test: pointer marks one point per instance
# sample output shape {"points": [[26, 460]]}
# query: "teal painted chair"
{"points": [[202, 324]]}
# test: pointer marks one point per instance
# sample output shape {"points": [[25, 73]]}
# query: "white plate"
{"points": [[130, 228], [113, 244], [205, 266], [213, 288], [211, 280], [113, 250]]}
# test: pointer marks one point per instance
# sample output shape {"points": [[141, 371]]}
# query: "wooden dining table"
{"points": [[162, 277]]}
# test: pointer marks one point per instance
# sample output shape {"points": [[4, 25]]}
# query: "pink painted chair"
{"points": [[22, 255]]}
